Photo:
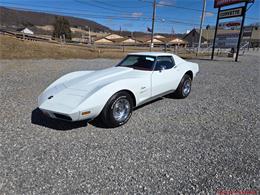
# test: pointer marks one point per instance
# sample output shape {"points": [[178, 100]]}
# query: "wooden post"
{"points": [[154, 9]]}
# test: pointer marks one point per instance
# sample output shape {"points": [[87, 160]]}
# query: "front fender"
{"points": [[96, 102]]}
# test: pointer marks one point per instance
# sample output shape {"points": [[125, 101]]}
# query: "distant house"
{"points": [[146, 40], [193, 37], [159, 37], [116, 39], [113, 36], [155, 41], [103, 41], [129, 41], [125, 41], [255, 37], [177, 41], [251, 34], [25, 31]]}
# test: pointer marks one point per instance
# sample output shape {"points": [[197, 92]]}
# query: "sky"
{"points": [[176, 16]]}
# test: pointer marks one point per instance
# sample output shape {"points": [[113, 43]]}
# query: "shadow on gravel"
{"points": [[216, 59], [38, 118], [98, 123]]}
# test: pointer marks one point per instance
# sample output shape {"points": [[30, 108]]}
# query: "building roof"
{"points": [[159, 36], [113, 36], [255, 34], [123, 40], [177, 41], [21, 29], [103, 40], [130, 40]]}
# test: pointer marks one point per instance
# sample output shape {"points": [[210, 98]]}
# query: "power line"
{"points": [[122, 14], [43, 6], [98, 6], [178, 7], [113, 5], [191, 9], [100, 16]]}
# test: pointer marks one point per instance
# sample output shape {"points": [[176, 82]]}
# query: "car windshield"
{"points": [[139, 62]]}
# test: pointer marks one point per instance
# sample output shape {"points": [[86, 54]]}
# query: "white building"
{"points": [[26, 31]]}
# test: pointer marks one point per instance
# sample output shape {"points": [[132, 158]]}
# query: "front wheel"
{"points": [[184, 87], [118, 110]]}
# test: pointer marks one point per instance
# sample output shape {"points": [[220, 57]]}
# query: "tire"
{"points": [[118, 110], [184, 87]]}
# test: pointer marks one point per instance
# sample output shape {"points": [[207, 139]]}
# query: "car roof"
{"points": [[177, 59], [155, 54]]}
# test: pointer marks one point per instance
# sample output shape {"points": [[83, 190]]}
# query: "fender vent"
{"points": [[63, 117]]}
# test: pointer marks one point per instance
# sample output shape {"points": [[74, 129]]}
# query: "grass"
{"points": [[13, 48]]}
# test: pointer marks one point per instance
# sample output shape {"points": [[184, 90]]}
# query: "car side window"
{"points": [[164, 62]]}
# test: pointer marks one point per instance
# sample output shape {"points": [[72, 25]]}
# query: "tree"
{"points": [[61, 28]]}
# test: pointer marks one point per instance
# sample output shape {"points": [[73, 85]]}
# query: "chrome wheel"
{"points": [[121, 109], [186, 87]]}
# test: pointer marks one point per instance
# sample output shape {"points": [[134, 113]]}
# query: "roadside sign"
{"points": [[230, 25], [247, 32], [222, 3], [227, 40], [230, 13]]}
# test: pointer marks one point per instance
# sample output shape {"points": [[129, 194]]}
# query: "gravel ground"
{"points": [[204, 144]]}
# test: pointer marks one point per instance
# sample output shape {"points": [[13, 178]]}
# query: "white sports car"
{"points": [[112, 93]]}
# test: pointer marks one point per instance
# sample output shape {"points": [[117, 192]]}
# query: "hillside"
{"points": [[11, 18]]}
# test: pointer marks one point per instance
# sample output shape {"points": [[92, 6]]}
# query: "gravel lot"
{"points": [[204, 144]]}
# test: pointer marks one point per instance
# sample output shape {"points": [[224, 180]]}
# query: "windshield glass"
{"points": [[139, 62]]}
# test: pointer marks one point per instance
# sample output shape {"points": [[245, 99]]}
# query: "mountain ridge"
{"points": [[10, 17]]}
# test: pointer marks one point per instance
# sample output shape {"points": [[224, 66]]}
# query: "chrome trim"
{"points": [[155, 97], [121, 110]]}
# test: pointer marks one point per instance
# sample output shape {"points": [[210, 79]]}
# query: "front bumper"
{"points": [[62, 116]]}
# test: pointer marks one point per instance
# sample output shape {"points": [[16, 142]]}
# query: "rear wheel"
{"points": [[184, 87], [118, 110]]}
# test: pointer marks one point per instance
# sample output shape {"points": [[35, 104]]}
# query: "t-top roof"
{"points": [[155, 54], [177, 59]]}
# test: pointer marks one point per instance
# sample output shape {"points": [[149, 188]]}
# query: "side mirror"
{"points": [[162, 68]]}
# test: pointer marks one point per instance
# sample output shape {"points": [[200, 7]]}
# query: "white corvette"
{"points": [[112, 93]]}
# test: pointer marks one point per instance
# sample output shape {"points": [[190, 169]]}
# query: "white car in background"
{"points": [[112, 93]]}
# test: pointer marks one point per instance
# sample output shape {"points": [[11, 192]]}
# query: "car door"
{"points": [[164, 76]]}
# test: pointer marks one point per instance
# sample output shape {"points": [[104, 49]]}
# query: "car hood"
{"points": [[99, 78], [72, 93]]}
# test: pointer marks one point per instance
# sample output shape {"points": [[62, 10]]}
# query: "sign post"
{"points": [[215, 34], [241, 31]]}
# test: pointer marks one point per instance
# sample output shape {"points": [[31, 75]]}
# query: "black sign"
{"points": [[221, 3]]}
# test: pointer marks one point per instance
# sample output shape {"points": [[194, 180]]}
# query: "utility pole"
{"points": [[201, 23], [154, 9]]}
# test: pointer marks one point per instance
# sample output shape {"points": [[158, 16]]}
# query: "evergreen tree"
{"points": [[61, 28]]}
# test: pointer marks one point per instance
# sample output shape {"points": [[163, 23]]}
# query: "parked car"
{"points": [[111, 94]]}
